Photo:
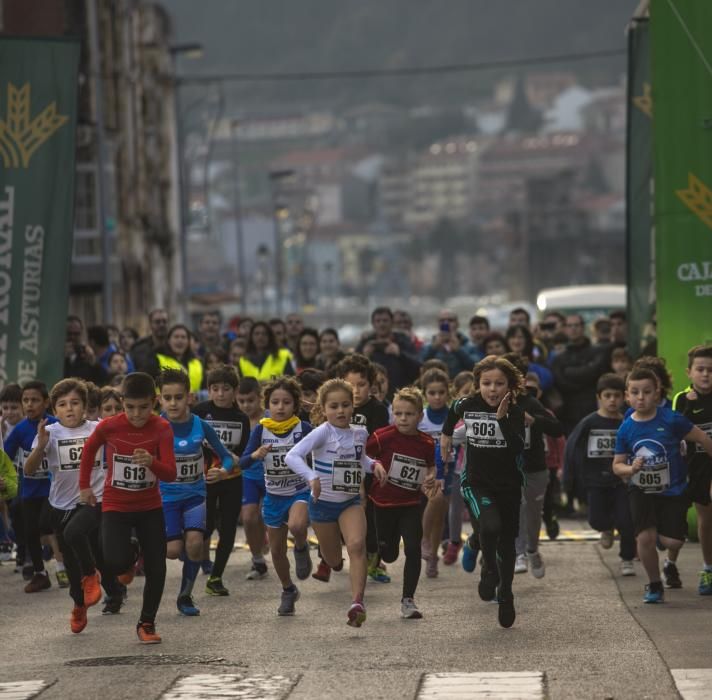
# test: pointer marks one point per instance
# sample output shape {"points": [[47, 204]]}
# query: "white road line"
{"points": [[206, 686], [515, 685], [693, 683], [21, 690]]}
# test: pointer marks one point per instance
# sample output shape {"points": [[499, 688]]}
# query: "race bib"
{"points": [[189, 468], [707, 428], [601, 443], [70, 454], [653, 479], [346, 476], [129, 476], [275, 463], [42, 471], [229, 432], [483, 430], [407, 472]]}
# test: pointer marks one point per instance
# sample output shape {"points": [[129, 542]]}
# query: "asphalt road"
{"points": [[581, 632]]}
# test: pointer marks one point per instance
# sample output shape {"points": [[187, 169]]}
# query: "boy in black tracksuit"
{"points": [[589, 451], [492, 481]]}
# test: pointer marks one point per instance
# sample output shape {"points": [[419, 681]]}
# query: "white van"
{"points": [[591, 301]]}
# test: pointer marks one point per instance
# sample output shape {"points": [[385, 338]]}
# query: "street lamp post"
{"points": [[275, 177], [237, 209]]}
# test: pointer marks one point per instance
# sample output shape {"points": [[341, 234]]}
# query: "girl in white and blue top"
{"points": [[338, 453]]}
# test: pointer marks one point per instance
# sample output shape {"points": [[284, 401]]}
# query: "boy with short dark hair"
{"points": [[648, 456], [138, 452], [10, 416], [224, 496], [695, 403], [589, 452]]}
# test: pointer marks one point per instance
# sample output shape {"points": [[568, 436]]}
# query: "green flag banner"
{"points": [[38, 103], [682, 128], [639, 178]]}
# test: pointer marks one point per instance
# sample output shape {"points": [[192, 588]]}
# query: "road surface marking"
{"points": [[21, 690], [524, 685], [206, 686], [693, 683]]}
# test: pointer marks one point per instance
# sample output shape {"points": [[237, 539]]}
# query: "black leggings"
{"points": [[18, 527], [119, 553], [391, 525], [36, 521], [223, 504], [372, 545]]}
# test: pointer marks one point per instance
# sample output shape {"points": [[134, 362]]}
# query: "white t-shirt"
{"points": [[63, 454]]}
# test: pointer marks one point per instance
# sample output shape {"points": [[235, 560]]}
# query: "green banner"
{"points": [[682, 126], [639, 183], [38, 103]]}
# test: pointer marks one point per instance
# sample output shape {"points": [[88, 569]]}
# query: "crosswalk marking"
{"points": [[693, 683], [517, 685], [21, 690], [205, 686]]}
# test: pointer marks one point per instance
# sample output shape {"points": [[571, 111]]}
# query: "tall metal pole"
{"points": [[182, 214], [107, 283], [237, 209], [277, 253]]}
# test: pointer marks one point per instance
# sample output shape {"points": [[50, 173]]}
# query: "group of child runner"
{"points": [[129, 488]]}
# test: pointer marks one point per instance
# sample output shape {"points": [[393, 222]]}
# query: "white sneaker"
{"points": [[537, 564], [409, 610], [627, 568], [520, 565], [606, 540]]}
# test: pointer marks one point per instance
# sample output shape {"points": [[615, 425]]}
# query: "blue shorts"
{"points": [[275, 509], [253, 491], [181, 516], [329, 512]]}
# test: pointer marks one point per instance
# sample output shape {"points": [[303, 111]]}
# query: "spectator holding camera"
{"points": [[79, 359], [449, 345]]}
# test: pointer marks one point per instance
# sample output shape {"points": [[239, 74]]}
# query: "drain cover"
{"points": [[154, 660]]}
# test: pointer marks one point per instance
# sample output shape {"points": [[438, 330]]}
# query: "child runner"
{"points": [[436, 388], [539, 423], [410, 456], [184, 498], [93, 406], [371, 414], [696, 404], [338, 452], [284, 508], [34, 489], [648, 456], [224, 496], [309, 381], [61, 445], [249, 399], [110, 402], [10, 416], [139, 451], [590, 449], [492, 482], [8, 491]]}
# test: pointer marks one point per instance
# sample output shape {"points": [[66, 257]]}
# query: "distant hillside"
{"points": [[323, 35]]}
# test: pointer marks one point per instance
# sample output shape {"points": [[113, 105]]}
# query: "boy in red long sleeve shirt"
{"points": [[139, 452]]}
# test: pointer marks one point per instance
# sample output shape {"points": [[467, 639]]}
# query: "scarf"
{"points": [[279, 427]]}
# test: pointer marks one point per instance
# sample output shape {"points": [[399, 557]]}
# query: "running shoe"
{"points": [[6, 551], [469, 557], [128, 576], [506, 614], [215, 587], [302, 562], [409, 610], [487, 588], [356, 615], [286, 604], [146, 632], [257, 572], [536, 564], [520, 564], [206, 566], [627, 568], [671, 576], [39, 582], [91, 586], [426, 551], [112, 606], [379, 575], [78, 619], [323, 572], [552, 527], [186, 606], [62, 578], [606, 540], [654, 593], [453, 551], [431, 567], [704, 587]]}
